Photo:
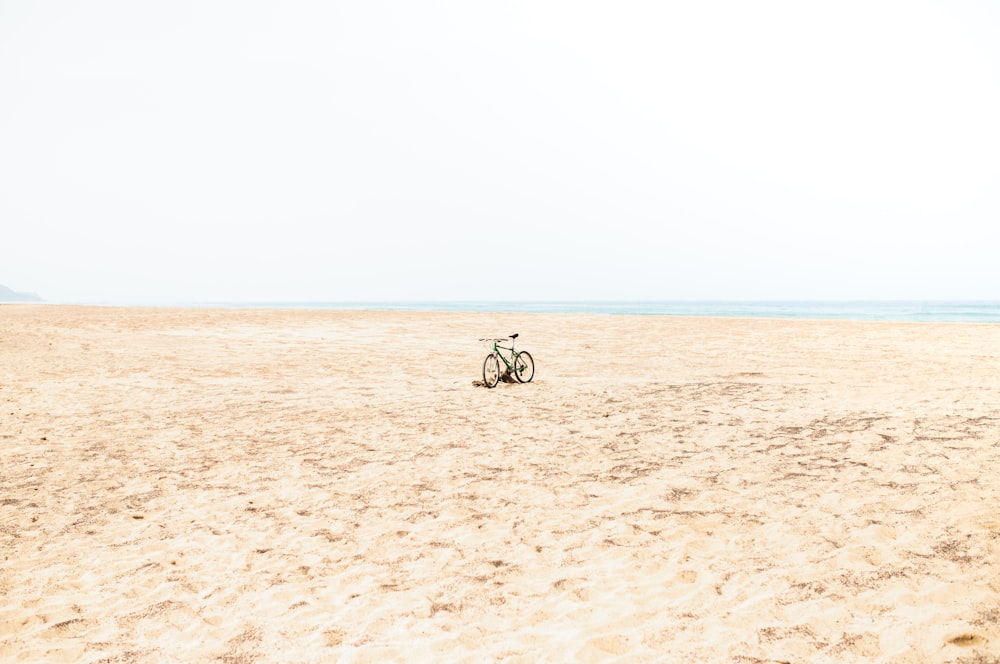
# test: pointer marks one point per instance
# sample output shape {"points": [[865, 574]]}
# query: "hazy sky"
{"points": [[175, 151]]}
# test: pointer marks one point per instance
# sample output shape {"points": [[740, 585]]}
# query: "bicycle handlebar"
{"points": [[513, 336]]}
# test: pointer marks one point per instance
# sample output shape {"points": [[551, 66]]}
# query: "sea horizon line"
{"points": [[932, 310]]}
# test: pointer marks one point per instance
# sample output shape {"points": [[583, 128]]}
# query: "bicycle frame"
{"points": [[497, 348]]}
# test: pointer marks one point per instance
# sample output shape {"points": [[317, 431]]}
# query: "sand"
{"points": [[299, 486]]}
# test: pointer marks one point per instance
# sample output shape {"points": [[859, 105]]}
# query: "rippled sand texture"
{"points": [[196, 485]]}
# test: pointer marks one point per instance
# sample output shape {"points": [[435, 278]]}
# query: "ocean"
{"points": [[923, 311]]}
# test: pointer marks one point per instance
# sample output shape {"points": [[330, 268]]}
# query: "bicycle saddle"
{"points": [[514, 336]]}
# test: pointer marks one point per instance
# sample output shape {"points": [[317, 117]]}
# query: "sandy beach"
{"points": [[189, 485]]}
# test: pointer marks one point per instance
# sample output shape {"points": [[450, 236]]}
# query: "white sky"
{"points": [[233, 150]]}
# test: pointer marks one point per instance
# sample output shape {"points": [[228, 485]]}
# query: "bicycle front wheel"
{"points": [[491, 370], [524, 367]]}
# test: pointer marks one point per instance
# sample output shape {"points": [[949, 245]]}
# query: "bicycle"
{"points": [[521, 364]]}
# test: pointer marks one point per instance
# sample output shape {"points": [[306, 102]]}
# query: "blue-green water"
{"points": [[928, 311]]}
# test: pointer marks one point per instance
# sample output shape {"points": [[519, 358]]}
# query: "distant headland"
{"points": [[7, 295]]}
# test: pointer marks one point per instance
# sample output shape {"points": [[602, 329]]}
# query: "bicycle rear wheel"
{"points": [[491, 370], [524, 367]]}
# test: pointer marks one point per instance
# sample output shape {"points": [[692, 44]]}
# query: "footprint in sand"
{"points": [[66, 629], [966, 640], [613, 644]]}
